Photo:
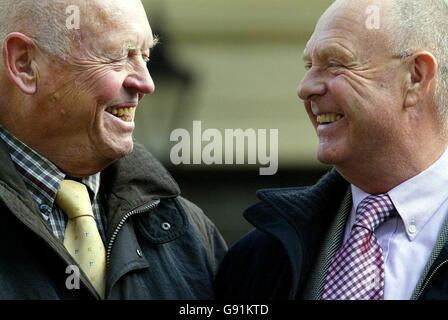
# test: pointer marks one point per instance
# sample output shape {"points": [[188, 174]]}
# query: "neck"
{"points": [[78, 161], [69, 161], [387, 172]]}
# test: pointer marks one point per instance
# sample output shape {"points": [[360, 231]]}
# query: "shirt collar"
{"points": [[417, 199], [93, 184]]}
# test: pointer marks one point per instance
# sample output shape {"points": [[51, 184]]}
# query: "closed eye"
{"points": [[333, 64]]}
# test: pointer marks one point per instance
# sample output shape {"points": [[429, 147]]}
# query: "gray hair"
{"points": [[423, 25], [42, 20]]}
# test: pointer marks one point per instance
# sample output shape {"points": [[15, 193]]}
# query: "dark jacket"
{"points": [[166, 249], [276, 260]]}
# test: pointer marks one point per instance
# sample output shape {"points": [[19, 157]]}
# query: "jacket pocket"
{"points": [[165, 223]]}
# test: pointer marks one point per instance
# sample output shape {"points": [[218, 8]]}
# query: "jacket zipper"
{"points": [[430, 278], [146, 208]]}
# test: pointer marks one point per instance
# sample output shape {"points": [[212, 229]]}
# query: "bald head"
{"points": [[48, 21], [351, 17], [43, 20], [405, 27], [101, 17]]}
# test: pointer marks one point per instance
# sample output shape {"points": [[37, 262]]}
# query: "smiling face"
{"points": [[88, 102], [353, 89]]}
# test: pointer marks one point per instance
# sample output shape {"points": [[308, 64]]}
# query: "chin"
{"points": [[119, 150], [326, 160], [330, 156], [125, 149]]}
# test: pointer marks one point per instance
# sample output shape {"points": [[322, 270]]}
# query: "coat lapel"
{"points": [[300, 218], [331, 244]]}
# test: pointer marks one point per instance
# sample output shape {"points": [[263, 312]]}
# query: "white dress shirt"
{"points": [[407, 240]]}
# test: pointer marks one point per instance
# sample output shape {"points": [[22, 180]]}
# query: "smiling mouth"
{"points": [[126, 114], [328, 118]]}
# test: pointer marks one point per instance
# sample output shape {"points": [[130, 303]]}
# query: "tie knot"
{"points": [[73, 198], [374, 210]]}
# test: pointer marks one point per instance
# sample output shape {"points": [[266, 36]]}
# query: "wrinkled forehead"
{"points": [[107, 23], [357, 26]]}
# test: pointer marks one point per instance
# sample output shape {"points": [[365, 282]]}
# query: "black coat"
{"points": [[275, 260]]}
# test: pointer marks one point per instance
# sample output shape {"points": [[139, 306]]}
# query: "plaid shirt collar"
{"points": [[42, 178]]}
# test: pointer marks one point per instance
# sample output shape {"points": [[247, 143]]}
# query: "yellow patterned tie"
{"points": [[82, 238]]}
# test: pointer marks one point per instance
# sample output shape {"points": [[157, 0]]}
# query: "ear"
{"points": [[422, 68], [18, 55]]}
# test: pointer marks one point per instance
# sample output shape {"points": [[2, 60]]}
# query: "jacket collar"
{"points": [[303, 209], [133, 181], [139, 173], [299, 218], [130, 182]]}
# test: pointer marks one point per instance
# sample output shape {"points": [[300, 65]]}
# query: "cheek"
{"points": [[368, 110], [352, 99], [106, 88], [64, 114], [67, 101], [345, 94], [102, 83]]}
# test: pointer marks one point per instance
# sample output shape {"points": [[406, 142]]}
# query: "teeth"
{"points": [[124, 113], [329, 118]]}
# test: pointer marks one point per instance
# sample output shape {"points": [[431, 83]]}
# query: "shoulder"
{"points": [[211, 237], [254, 247], [255, 267], [197, 218]]}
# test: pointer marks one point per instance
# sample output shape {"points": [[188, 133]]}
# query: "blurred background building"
{"points": [[231, 64]]}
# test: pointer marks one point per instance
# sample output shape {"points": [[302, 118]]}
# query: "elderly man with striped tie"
{"points": [[376, 226], [87, 212]]}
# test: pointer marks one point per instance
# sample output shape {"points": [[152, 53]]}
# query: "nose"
{"points": [[140, 81], [312, 86]]}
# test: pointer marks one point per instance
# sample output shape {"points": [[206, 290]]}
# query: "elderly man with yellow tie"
{"points": [[77, 192]]}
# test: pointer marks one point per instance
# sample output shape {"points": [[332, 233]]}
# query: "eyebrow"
{"points": [[132, 46], [154, 41], [332, 51]]}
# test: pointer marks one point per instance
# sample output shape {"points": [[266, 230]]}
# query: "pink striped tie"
{"points": [[357, 270]]}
